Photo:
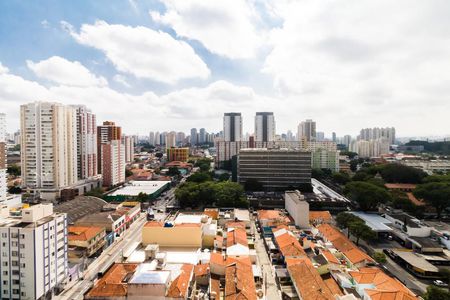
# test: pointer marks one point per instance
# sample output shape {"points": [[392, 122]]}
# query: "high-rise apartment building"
{"points": [[128, 144], [180, 138], [275, 169], [151, 138], [171, 139], [34, 253], [375, 133], [307, 130], [194, 137], [371, 148], [320, 136], [86, 143], [347, 140], [111, 153], [264, 127], [157, 138], [202, 136], [48, 147], [232, 127], [3, 175]]}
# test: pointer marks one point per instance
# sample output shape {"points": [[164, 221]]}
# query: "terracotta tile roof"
{"points": [[237, 236], [289, 245], [414, 200], [219, 259], [161, 224], [380, 280], [320, 215], [343, 244], [111, 284], [83, 233], [269, 214], [333, 286], [307, 281], [388, 295], [233, 224], [201, 270], [215, 286], [239, 282], [179, 287], [330, 257]]}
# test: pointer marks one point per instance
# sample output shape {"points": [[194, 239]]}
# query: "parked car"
{"points": [[440, 283]]}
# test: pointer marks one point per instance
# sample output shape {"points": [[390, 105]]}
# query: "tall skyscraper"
{"points": [[194, 137], [48, 147], [320, 136], [151, 138], [264, 127], [86, 143], [232, 127], [307, 131], [3, 176], [202, 136], [128, 143], [34, 261], [111, 153], [157, 138], [333, 137], [180, 138], [171, 139]]}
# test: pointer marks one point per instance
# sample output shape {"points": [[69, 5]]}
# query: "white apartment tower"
{"points": [[33, 248], [87, 143], [232, 127], [264, 127], [3, 176], [48, 147], [307, 131], [171, 139], [128, 142]]}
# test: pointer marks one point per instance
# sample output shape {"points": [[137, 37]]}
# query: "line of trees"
{"points": [[355, 226]]}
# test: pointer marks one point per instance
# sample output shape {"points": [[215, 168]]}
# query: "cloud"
{"points": [[63, 71], [143, 52], [224, 28], [3, 69], [45, 24], [121, 79]]}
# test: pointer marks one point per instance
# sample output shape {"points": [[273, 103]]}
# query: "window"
{"points": [[15, 291], [22, 236], [14, 263], [14, 244], [5, 282], [5, 263], [5, 273], [15, 281], [4, 235], [14, 253], [22, 246]]}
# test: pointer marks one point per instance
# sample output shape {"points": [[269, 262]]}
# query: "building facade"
{"points": [[86, 143], [232, 127], [3, 167], [113, 163], [128, 143], [307, 130], [177, 154], [275, 169], [264, 127], [34, 253]]}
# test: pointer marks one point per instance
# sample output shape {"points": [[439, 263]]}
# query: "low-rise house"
{"points": [[319, 217], [113, 222], [84, 241]]}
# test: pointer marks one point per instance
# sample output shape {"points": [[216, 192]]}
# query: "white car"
{"points": [[440, 283]]}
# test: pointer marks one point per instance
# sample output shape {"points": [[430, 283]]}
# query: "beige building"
{"points": [[176, 235], [85, 241]]}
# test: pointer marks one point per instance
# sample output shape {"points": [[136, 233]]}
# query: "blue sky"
{"points": [[173, 65]]}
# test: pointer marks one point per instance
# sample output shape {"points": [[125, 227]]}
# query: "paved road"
{"points": [[107, 258], [270, 286]]}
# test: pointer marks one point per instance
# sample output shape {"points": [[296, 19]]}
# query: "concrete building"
{"points": [[275, 169], [48, 148], [128, 143], [106, 132], [320, 136], [232, 127], [34, 253], [181, 138], [325, 159], [370, 148], [85, 241], [171, 139], [297, 207], [264, 127], [375, 133], [202, 136], [178, 154], [86, 143], [194, 137], [3, 175], [113, 163], [151, 138], [307, 130]]}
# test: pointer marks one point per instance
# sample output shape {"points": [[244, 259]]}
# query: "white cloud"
{"points": [[363, 63], [122, 80], [3, 69], [224, 28], [45, 24], [63, 71], [143, 52]]}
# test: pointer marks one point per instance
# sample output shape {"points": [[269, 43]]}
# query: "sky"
{"points": [[176, 64]]}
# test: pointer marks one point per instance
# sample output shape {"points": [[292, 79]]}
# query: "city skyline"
{"points": [[340, 72]]}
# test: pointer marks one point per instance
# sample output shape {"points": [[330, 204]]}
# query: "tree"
{"points": [[14, 170], [397, 173], [199, 177], [224, 177], [128, 173], [317, 174], [142, 197], [230, 194], [350, 154], [366, 195], [159, 154], [173, 171], [343, 219], [360, 230], [15, 190], [341, 178], [379, 257], [436, 194], [435, 293], [97, 192], [361, 176], [253, 185]]}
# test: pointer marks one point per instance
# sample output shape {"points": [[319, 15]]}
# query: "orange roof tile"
{"points": [[83, 233], [233, 224], [153, 224], [355, 255], [289, 246], [389, 295], [307, 281], [330, 257], [239, 282], [237, 236], [406, 186], [333, 286], [269, 214], [201, 270], [179, 287], [111, 284], [320, 215], [414, 200], [219, 259]]}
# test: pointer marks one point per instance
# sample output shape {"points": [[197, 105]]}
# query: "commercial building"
{"points": [[232, 127], [3, 175], [275, 169], [34, 253], [264, 127], [48, 148], [202, 136], [297, 208], [307, 131], [178, 154], [133, 188]]}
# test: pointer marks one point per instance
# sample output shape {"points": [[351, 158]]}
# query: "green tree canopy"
{"points": [[360, 230], [366, 195], [14, 170], [173, 171], [436, 194], [224, 177], [379, 257], [199, 177], [435, 293], [397, 173], [341, 178]]}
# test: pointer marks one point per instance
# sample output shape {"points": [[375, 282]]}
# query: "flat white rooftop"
{"points": [[374, 221], [183, 219], [133, 188]]}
